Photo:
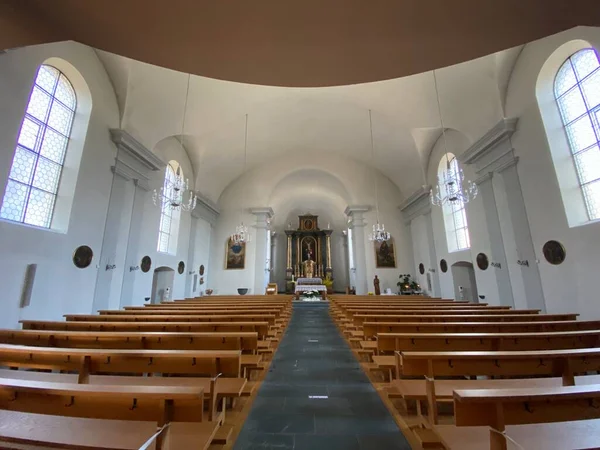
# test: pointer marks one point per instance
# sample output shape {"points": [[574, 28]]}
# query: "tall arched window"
{"points": [[36, 169], [455, 216], [169, 216], [577, 91]]}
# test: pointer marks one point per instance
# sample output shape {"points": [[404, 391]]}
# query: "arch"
{"points": [[42, 179], [557, 133], [454, 212], [162, 284], [170, 214]]}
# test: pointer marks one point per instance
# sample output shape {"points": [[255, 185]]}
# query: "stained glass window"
{"points": [[35, 173], [166, 213], [577, 91], [455, 215]]}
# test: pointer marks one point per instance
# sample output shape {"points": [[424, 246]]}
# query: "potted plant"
{"points": [[328, 283], [407, 285]]}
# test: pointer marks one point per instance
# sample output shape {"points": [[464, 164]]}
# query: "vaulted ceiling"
{"points": [[303, 43]]}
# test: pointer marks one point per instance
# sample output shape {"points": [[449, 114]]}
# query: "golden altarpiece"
{"points": [[308, 251]]}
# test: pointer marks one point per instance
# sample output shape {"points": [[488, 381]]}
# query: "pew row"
{"points": [[490, 419]]}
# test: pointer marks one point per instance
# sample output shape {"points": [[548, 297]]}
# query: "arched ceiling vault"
{"points": [[308, 43]]}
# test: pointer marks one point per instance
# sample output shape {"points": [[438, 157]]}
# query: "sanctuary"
{"points": [[308, 255]]}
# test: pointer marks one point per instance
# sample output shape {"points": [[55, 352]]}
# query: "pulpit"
{"points": [[308, 251]]}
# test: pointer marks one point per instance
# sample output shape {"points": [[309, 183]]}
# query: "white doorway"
{"points": [[465, 284], [162, 284]]}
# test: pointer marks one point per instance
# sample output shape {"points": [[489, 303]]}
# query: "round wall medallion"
{"points": [[146, 263], [82, 257], [201, 269], [421, 268], [443, 266], [482, 261], [554, 252], [180, 267]]}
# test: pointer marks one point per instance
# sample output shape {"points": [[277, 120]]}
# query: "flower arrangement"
{"points": [[311, 294], [407, 284]]}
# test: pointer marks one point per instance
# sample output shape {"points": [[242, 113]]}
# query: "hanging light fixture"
{"points": [[451, 185], [175, 193], [241, 234], [378, 234]]}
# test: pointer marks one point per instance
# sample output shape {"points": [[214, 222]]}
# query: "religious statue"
{"points": [[309, 268], [377, 288]]}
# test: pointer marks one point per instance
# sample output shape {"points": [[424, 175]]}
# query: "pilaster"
{"points": [[262, 248], [356, 215]]}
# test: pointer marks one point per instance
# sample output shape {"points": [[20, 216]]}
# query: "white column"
{"points": [[497, 256], [494, 153], [518, 244], [133, 165], [262, 248], [359, 247]]}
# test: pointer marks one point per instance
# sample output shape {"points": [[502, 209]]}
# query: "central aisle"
{"points": [[313, 360]]}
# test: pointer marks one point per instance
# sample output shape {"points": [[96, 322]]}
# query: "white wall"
{"points": [[126, 236], [571, 286], [59, 287], [320, 184]]}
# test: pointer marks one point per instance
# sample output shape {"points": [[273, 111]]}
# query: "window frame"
{"points": [[452, 210], [593, 115], [43, 127], [166, 211]]}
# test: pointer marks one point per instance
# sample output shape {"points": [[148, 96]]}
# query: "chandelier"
{"points": [[452, 188], [175, 193], [241, 234], [378, 234]]}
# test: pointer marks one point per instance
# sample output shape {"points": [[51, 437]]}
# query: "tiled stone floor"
{"points": [[282, 417]]}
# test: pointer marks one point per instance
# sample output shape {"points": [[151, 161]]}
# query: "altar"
{"points": [[308, 254], [312, 285]]}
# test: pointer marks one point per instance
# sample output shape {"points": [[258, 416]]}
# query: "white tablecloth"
{"points": [[311, 287], [310, 281]]}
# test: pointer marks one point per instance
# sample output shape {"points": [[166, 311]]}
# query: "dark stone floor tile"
{"points": [[383, 441], [326, 442], [282, 423], [264, 441], [355, 425]]}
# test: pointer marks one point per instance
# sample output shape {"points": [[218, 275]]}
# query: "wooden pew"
{"points": [[371, 329], [216, 327], [542, 363], [358, 319], [62, 406], [89, 361], [247, 342], [424, 342], [192, 312], [488, 419], [173, 318]]}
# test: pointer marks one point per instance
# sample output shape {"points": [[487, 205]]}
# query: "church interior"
{"points": [[323, 225]]}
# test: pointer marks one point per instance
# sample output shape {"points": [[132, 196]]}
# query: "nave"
{"points": [[268, 372]]}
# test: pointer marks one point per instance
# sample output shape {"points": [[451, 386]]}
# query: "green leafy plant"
{"points": [[407, 284]]}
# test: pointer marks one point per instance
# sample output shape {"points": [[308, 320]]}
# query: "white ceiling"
{"points": [[327, 121]]}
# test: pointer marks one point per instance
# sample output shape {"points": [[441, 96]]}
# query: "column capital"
{"points": [[134, 161], [356, 212], [263, 216], [416, 204], [487, 176], [490, 153]]}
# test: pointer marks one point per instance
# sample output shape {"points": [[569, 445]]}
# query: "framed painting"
{"points": [[385, 254], [235, 255]]}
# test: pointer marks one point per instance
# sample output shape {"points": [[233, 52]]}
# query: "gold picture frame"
{"points": [[385, 254], [235, 255]]}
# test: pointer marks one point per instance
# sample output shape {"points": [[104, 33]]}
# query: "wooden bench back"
{"points": [[433, 342], [88, 361], [172, 318], [371, 329], [190, 312], [261, 328], [133, 339], [358, 319], [160, 404], [499, 408]]}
